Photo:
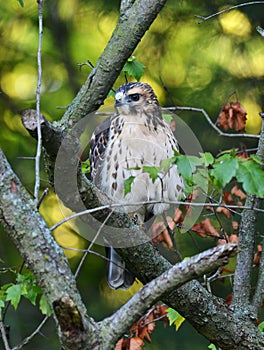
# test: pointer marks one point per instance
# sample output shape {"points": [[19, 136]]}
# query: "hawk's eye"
{"points": [[134, 97]]}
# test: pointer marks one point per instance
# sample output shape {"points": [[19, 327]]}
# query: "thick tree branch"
{"points": [[40, 251], [182, 272], [189, 300], [242, 281], [51, 137], [207, 313], [135, 19]]}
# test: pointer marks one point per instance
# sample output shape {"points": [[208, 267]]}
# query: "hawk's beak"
{"points": [[120, 99]]}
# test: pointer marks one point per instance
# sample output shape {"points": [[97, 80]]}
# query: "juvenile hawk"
{"points": [[135, 136]]}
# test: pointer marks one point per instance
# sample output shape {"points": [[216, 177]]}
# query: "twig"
{"points": [[38, 153], [111, 206], [260, 30], [79, 250], [91, 244], [43, 195], [4, 336], [203, 19], [201, 110], [29, 338]]}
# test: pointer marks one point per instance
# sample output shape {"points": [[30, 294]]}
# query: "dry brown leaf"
{"points": [[233, 239], [136, 343], [236, 191], [224, 211], [232, 116], [235, 225], [13, 186], [228, 299], [205, 229], [257, 255], [178, 216], [142, 329]]}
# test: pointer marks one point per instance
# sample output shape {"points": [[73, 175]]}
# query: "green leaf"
{"points": [[85, 166], [251, 175], [207, 158], [212, 347], [134, 68], [261, 326], [32, 294], [257, 159], [187, 165], [200, 179], [167, 117], [111, 93], [175, 318], [44, 306], [166, 164], [128, 184], [134, 168], [13, 294], [2, 305], [153, 172], [224, 170], [21, 3]]}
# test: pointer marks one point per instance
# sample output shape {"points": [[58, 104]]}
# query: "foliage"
{"points": [[192, 62], [25, 285], [219, 171], [21, 2], [174, 318], [134, 68], [142, 329]]}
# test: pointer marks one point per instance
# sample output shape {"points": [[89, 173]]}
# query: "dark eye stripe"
{"points": [[134, 97]]}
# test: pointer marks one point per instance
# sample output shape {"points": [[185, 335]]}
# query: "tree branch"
{"points": [[43, 256], [173, 278], [242, 280], [135, 19], [227, 10], [208, 314], [209, 120], [51, 137], [38, 152]]}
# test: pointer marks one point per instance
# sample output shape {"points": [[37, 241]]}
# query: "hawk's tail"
{"points": [[118, 276]]}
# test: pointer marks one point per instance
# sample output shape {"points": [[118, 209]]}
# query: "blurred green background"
{"points": [[187, 64]]}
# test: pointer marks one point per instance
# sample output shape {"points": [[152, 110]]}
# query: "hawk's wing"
{"points": [[118, 276], [98, 144]]}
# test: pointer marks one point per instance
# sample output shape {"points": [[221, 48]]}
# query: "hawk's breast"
{"points": [[135, 143]]}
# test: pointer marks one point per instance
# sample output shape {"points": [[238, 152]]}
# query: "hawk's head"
{"points": [[132, 97]]}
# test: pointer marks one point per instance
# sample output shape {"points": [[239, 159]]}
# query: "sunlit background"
{"points": [[187, 64]]}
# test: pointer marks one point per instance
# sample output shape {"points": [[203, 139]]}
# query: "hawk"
{"points": [[134, 137]]}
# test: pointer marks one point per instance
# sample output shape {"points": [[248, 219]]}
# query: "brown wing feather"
{"points": [[98, 144]]}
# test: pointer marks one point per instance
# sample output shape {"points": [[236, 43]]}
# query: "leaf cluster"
{"points": [[201, 171], [25, 285], [198, 171]]}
